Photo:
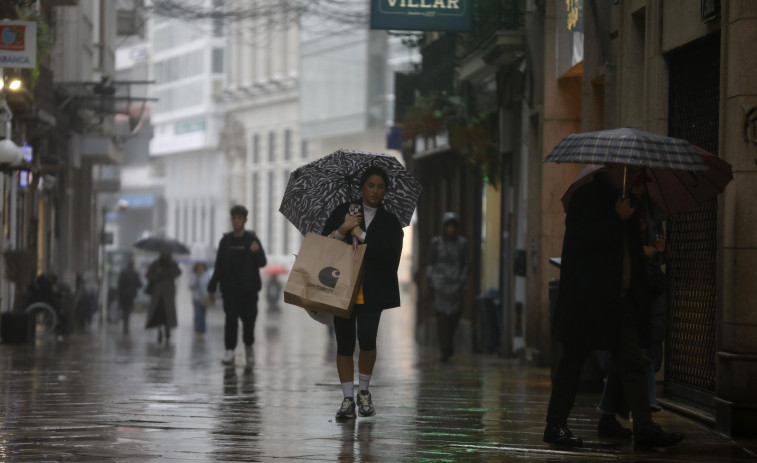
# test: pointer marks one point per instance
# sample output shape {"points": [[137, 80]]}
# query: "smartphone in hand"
{"points": [[354, 209]]}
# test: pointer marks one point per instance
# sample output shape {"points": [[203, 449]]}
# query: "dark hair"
{"points": [[239, 210], [374, 170]]}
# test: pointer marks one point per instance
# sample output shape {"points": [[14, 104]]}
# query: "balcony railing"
{"points": [[491, 17]]}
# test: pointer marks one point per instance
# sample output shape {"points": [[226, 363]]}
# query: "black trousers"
{"points": [[446, 324], [239, 305], [629, 359], [126, 308]]}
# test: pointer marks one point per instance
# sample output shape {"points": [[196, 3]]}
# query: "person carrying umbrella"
{"points": [[603, 296], [366, 222], [239, 258], [161, 313]]}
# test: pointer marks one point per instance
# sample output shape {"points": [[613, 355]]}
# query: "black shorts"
{"points": [[362, 324]]}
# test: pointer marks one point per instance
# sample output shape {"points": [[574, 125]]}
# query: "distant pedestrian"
{"points": [[239, 258], [200, 299], [603, 291], [368, 223], [162, 290], [447, 271], [129, 283]]}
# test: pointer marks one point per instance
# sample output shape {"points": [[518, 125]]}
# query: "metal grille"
{"points": [[692, 235]]}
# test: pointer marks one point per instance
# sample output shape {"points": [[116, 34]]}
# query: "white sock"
{"points": [[348, 389], [364, 381]]}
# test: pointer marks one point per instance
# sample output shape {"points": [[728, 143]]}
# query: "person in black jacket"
{"points": [[238, 261], [129, 283], [602, 303], [371, 225]]}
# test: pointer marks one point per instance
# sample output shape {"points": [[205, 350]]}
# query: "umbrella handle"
{"points": [[625, 171]]}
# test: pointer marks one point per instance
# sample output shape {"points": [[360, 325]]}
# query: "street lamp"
{"points": [[10, 153], [13, 84]]}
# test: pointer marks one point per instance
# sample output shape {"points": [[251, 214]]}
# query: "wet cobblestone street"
{"points": [[105, 396]]}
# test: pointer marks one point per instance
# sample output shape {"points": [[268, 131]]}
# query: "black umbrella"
{"points": [[673, 190], [315, 189], [162, 244], [627, 146]]}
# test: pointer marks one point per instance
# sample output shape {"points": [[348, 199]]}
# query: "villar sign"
{"points": [[422, 15]]}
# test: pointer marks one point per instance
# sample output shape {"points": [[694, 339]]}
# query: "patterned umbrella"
{"points": [[315, 189], [627, 146], [672, 190]]}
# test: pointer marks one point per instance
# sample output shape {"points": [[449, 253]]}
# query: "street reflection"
{"points": [[347, 439], [237, 417]]}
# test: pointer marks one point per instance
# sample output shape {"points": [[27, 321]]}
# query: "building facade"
{"points": [[187, 62], [261, 134], [676, 68]]}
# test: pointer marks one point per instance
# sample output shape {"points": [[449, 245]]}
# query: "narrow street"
{"points": [[105, 396]]}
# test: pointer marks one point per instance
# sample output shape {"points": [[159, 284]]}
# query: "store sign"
{"points": [[570, 36], [422, 15], [18, 44], [136, 201]]}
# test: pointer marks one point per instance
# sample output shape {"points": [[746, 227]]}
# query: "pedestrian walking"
{"points": [[200, 299], [161, 313], [239, 258], [447, 271], [366, 222], [601, 302], [129, 283], [613, 402]]}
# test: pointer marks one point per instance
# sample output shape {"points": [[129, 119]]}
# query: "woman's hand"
{"points": [[350, 223]]}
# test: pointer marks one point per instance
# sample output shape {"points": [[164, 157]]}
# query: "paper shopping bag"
{"points": [[325, 276]]}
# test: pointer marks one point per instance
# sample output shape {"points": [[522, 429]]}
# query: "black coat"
{"points": [[226, 268], [591, 274], [383, 239]]}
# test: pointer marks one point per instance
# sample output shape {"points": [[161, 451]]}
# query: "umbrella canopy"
{"points": [[627, 146], [275, 270], [162, 244], [673, 190], [317, 188]]}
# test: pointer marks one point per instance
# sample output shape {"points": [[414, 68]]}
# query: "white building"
{"points": [[244, 102], [261, 136], [188, 69]]}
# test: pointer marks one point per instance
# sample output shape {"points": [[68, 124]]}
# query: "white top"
{"points": [[368, 214]]}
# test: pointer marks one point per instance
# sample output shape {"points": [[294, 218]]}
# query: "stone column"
{"points": [[735, 400]]}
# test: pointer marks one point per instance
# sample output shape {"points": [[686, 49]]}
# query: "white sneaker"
{"points": [[228, 358], [249, 358]]}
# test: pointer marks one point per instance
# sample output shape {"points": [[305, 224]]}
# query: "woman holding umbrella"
{"points": [[160, 286], [366, 222]]}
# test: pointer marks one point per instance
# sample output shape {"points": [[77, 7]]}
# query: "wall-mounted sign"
{"points": [[18, 44], [570, 35], [422, 15], [136, 201]]}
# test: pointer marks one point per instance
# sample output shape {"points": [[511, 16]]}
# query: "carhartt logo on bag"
{"points": [[328, 276]]}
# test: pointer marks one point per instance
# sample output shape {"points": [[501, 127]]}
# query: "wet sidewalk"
{"points": [[103, 396]]}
